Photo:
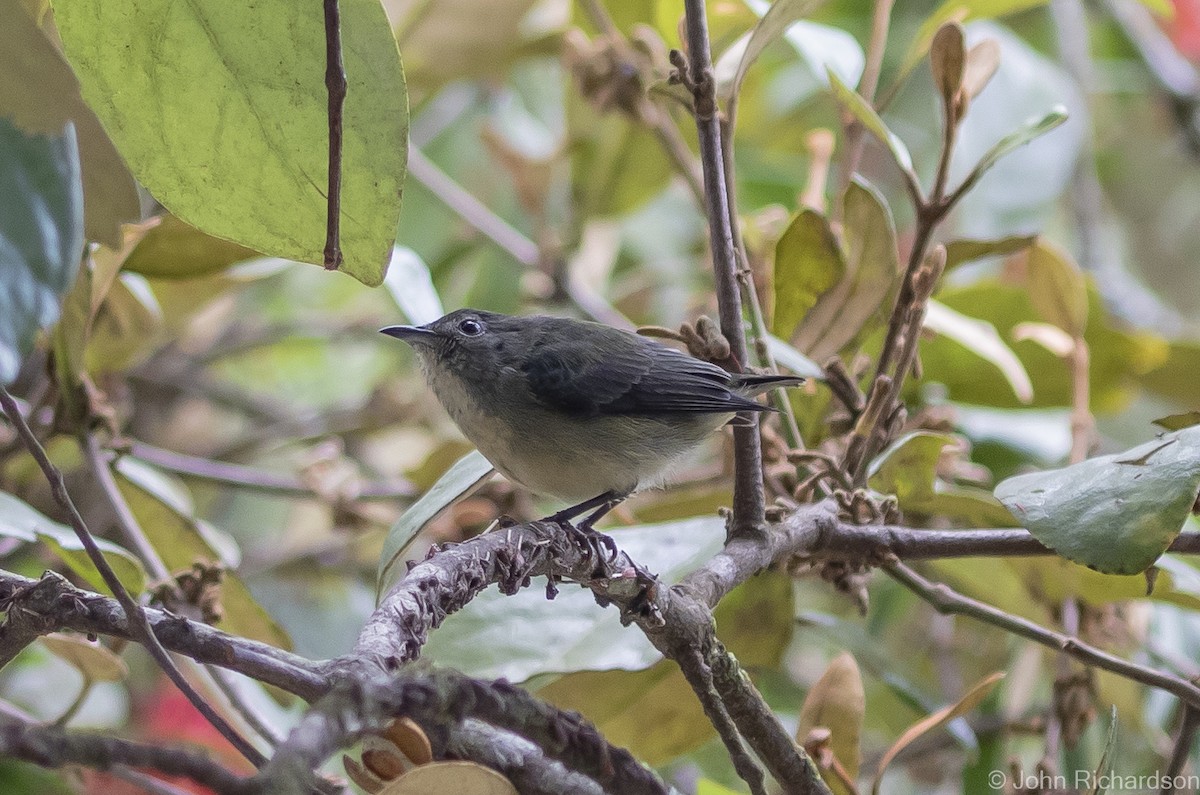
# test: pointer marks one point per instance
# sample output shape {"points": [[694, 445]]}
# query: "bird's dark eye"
{"points": [[470, 327]]}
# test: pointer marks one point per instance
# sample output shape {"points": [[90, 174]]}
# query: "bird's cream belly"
{"points": [[570, 458]]}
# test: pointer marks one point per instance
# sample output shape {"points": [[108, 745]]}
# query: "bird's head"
{"points": [[467, 342]]}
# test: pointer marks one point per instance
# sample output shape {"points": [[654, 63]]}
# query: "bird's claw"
{"points": [[593, 542]]}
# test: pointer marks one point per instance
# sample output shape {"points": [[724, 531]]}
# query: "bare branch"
{"points": [[945, 600], [51, 747], [749, 502], [137, 616], [362, 703], [51, 604], [335, 86], [241, 476]]}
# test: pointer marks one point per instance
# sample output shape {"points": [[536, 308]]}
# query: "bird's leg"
{"points": [[599, 506]]}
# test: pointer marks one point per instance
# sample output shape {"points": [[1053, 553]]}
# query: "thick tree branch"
{"points": [[52, 748], [674, 620], [361, 703], [520, 760]]}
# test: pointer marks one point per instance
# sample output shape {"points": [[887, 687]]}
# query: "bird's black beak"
{"points": [[413, 335]]}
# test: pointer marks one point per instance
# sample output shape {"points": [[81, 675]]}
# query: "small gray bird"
{"points": [[576, 410]]}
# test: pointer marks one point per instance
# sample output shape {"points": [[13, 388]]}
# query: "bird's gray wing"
{"points": [[643, 378]]}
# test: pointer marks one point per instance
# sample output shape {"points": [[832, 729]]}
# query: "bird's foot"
{"points": [[593, 542]]}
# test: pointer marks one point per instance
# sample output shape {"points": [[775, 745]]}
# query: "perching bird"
{"points": [[575, 410]]}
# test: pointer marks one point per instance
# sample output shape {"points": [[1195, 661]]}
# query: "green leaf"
{"points": [[1032, 128], [467, 474], [221, 114], [1115, 513], [173, 249], [524, 635], [163, 509], [40, 95], [1119, 361], [907, 467], [853, 307], [963, 250], [706, 787], [1177, 422], [981, 338], [41, 235], [808, 262], [19, 520], [778, 17], [1057, 288], [858, 107]]}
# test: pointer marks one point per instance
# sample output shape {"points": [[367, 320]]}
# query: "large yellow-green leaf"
{"points": [[40, 94], [164, 512], [1115, 513], [220, 111], [41, 235]]}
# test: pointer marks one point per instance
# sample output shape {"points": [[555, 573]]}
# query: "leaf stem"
{"points": [[335, 86]]}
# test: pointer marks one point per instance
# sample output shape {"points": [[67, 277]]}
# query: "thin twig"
{"points": [[335, 86], [51, 747], [881, 18], [749, 502], [133, 610], [471, 210], [945, 600], [225, 682], [254, 478], [1182, 750]]}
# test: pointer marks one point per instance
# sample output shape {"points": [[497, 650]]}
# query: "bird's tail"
{"points": [[755, 384]]}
